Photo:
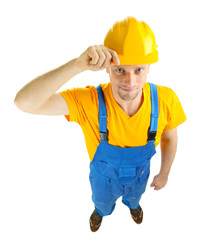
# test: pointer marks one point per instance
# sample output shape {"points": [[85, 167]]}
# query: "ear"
{"points": [[148, 68]]}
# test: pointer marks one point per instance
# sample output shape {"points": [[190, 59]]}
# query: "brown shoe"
{"points": [[95, 221], [137, 214]]}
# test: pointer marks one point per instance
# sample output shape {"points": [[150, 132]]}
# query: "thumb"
{"points": [[152, 184]]}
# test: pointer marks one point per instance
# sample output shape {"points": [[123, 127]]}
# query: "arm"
{"points": [[39, 96], [168, 152]]}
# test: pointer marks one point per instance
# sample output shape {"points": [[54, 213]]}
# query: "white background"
{"points": [[44, 166]]}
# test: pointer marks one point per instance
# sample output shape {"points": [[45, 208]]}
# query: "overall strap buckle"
{"points": [[103, 136], [151, 135]]}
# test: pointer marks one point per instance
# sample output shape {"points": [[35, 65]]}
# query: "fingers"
{"points": [[153, 185], [101, 57], [115, 57], [93, 55], [156, 187], [110, 56], [97, 57], [158, 182]]}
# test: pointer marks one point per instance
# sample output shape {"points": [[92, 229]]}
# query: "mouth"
{"points": [[128, 90]]}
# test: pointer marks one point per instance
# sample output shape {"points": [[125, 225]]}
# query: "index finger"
{"points": [[115, 57]]}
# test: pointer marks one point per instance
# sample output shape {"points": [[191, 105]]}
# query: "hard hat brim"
{"points": [[138, 60]]}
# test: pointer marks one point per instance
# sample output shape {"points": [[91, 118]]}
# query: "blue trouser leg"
{"points": [[104, 193], [104, 208], [133, 192], [131, 202]]}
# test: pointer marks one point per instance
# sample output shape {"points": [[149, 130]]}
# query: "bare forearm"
{"points": [[38, 91], [168, 152]]}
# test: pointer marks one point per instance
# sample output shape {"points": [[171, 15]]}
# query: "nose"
{"points": [[131, 79]]}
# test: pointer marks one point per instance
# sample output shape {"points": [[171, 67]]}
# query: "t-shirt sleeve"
{"points": [[175, 112], [79, 101]]}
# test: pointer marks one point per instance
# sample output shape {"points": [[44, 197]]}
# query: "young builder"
{"points": [[123, 121]]}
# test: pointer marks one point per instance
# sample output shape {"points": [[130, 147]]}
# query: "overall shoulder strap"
{"points": [[154, 113], [102, 115]]}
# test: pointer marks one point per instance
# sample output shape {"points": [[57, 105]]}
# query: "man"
{"points": [[123, 121]]}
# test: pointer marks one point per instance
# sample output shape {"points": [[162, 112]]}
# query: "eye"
{"points": [[139, 70], [119, 70]]}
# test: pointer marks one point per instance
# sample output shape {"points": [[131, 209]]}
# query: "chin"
{"points": [[127, 97]]}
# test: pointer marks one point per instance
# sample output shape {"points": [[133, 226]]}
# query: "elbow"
{"points": [[18, 102], [170, 136], [22, 103]]}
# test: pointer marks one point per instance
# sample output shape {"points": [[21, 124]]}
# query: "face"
{"points": [[127, 81]]}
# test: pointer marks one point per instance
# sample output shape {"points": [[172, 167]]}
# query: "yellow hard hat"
{"points": [[133, 41]]}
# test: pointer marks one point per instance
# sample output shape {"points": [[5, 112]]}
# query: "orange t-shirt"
{"points": [[123, 130]]}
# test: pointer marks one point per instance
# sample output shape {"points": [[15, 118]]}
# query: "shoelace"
{"points": [[97, 217], [138, 210]]}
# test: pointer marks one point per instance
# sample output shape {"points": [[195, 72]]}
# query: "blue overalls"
{"points": [[117, 171]]}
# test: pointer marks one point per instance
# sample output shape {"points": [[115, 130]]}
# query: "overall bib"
{"points": [[117, 171]]}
